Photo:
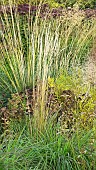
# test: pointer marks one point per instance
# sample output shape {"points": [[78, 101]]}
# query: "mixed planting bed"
{"points": [[45, 9], [47, 88]]}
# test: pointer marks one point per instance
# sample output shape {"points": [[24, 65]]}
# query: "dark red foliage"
{"points": [[90, 13], [44, 9]]}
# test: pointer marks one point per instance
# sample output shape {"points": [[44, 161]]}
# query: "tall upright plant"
{"points": [[35, 49]]}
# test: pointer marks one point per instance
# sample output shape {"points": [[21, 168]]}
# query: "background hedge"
{"points": [[81, 3], [56, 3]]}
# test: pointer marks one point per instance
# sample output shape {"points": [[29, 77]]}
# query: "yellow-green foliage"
{"points": [[52, 3], [67, 81], [69, 97], [55, 3], [85, 98]]}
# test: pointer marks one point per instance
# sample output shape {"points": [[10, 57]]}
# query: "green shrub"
{"points": [[57, 3], [81, 3], [87, 4], [52, 3], [76, 101]]}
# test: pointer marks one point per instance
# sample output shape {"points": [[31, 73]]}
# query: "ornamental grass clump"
{"points": [[33, 49], [40, 112], [48, 149]]}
